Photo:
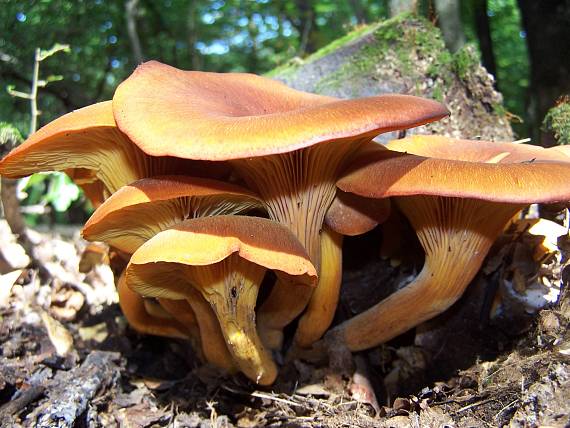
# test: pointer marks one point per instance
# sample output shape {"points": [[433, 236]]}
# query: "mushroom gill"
{"points": [[140, 210], [89, 147]]}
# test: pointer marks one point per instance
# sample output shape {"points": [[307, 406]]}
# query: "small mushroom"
{"points": [[225, 258], [140, 210], [137, 212], [458, 208], [134, 309], [289, 146]]}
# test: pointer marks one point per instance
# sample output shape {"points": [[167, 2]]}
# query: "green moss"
{"points": [[286, 69], [392, 37], [343, 41], [437, 93], [9, 136], [405, 44], [557, 121], [464, 60]]}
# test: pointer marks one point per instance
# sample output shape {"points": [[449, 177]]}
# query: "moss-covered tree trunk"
{"points": [[406, 55]]}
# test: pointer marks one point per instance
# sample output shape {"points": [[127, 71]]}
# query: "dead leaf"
{"points": [[158, 384], [58, 334], [97, 332], [66, 301], [7, 281], [315, 389], [95, 253]]}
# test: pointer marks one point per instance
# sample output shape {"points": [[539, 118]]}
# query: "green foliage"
{"points": [[557, 121], [10, 137], [510, 53], [54, 188]]}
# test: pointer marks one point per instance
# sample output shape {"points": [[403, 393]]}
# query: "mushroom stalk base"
{"points": [[231, 288]]}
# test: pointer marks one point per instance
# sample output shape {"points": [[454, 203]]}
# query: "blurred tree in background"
{"points": [[107, 39]]}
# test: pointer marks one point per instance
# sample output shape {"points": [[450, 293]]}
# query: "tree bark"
{"points": [[193, 36], [449, 20], [131, 9], [306, 27], [547, 27], [484, 36]]}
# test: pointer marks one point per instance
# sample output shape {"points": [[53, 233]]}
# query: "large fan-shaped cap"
{"points": [[388, 173], [76, 142], [210, 116], [88, 146], [137, 212]]}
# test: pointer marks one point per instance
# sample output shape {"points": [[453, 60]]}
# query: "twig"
{"points": [[273, 398], [506, 407], [13, 407], [70, 393], [477, 404]]}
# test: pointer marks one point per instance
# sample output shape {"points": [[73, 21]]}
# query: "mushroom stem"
{"points": [[231, 287], [322, 306], [297, 188], [456, 235], [212, 342], [280, 308], [133, 307]]}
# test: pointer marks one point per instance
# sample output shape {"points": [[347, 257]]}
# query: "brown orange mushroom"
{"points": [[133, 307], [225, 258], [88, 146], [195, 310], [458, 208], [289, 146], [348, 215], [137, 212], [140, 210]]}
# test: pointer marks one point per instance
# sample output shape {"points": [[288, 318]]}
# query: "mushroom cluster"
{"points": [[225, 199]]}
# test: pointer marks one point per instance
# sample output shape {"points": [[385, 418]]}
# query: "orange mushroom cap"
{"points": [[87, 144], [212, 116], [389, 173], [137, 212], [351, 215], [458, 205], [439, 146]]}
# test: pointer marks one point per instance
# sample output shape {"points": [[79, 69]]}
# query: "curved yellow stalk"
{"points": [[320, 313], [456, 235]]}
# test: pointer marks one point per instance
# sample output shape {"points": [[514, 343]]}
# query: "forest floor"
{"points": [[68, 359]]}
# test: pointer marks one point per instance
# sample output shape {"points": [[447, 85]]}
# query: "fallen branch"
{"points": [[69, 394]]}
